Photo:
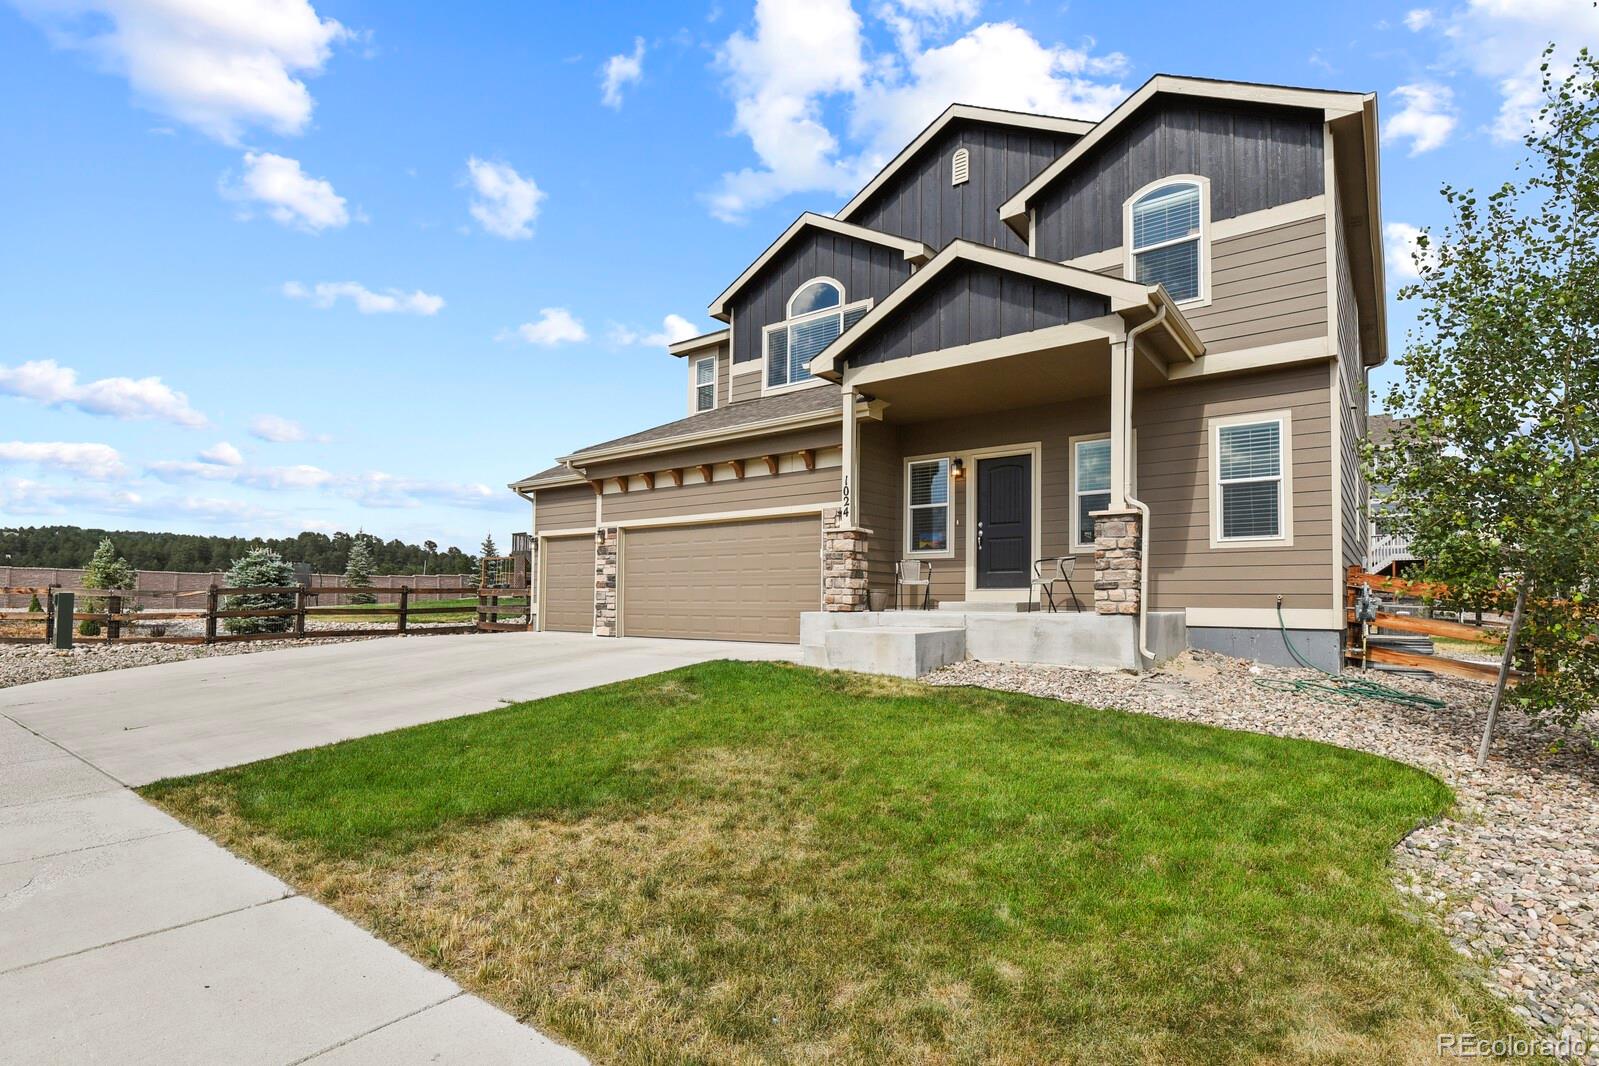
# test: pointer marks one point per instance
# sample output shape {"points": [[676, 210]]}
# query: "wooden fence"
{"points": [[1358, 650], [116, 609], [170, 588]]}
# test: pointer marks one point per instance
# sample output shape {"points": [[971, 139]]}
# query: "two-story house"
{"points": [[1026, 338]]}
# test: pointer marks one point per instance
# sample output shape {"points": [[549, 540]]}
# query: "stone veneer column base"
{"points": [[843, 565], [1118, 561], [607, 539]]}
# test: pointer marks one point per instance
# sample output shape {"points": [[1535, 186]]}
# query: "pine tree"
{"points": [[260, 568], [487, 549], [106, 570], [358, 568]]}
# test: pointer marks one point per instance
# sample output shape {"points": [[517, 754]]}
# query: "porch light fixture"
{"points": [[957, 468]]}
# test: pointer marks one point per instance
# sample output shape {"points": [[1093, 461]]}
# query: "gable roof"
{"points": [[781, 411], [560, 474], [1332, 103], [914, 251], [954, 113], [694, 344], [1123, 296]]}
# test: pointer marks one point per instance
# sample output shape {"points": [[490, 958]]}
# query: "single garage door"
{"points": [[725, 581], [567, 599]]}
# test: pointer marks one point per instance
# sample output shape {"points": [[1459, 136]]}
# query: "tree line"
{"points": [[73, 546]]}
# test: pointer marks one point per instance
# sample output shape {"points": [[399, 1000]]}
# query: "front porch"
{"points": [[916, 642]]}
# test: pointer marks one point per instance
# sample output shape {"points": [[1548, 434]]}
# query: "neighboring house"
{"points": [[1387, 550], [1022, 335]]}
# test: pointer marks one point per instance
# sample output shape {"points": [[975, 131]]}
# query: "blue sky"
{"points": [[274, 264]]}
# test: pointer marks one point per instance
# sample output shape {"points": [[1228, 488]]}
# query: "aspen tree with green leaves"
{"points": [[1495, 476]]}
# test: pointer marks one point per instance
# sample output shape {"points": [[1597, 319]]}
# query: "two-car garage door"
{"points": [[724, 581], [746, 580]]}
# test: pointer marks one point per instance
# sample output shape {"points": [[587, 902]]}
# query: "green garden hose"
{"points": [[1348, 688]]}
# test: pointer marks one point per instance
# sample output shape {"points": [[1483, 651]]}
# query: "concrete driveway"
{"points": [[203, 714], [126, 937]]}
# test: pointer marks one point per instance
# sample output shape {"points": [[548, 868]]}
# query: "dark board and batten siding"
{"points": [[920, 203], [972, 303], [1255, 158], [863, 268]]}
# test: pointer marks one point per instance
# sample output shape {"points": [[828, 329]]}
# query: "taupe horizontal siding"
{"points": [[569, 507], [1267, 287], [745, 386], [1174, 478], [880, 500], [749, 448], [752, 493]]}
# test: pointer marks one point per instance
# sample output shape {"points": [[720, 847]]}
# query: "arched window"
{"points": [[817, 315], [815, 295], [1166, 238]]}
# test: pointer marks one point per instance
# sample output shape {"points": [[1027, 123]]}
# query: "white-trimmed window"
{"points": [[927, 504], [1090, 487], [1166, 237], [705, 383], [1252, 480], [817, 315]]}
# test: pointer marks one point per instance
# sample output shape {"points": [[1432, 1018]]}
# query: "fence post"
{"points": [[299, 612], [50, 613], [405, 605], [211, 615], [113, 627], [62, 604]]}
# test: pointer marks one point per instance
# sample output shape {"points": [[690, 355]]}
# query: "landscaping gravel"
{"points": [[1511, 874]]}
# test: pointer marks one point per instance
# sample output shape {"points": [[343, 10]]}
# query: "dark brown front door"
{"points": [[1004, 521]]}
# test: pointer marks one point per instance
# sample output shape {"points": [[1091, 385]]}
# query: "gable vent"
{"points": [[960, 167]]}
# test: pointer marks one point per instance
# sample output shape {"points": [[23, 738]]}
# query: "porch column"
{"points": [[844, 587], [850, 472], [1119, 465]]}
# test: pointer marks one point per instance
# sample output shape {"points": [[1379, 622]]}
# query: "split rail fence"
{"points": [[1357, 648], [116, 614]]}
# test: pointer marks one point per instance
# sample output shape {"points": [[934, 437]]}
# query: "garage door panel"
{"points": [[726, 581], [567, 599]]}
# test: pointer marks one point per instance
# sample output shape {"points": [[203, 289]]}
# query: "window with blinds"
{"points": [[1249, 478], [792, 344], [927, 498], [1090, 487], [1166, 235], [705, 384]]}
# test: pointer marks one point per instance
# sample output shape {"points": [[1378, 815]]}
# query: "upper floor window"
{"points": [[1166, 238], [705, 383], [817, 314]]}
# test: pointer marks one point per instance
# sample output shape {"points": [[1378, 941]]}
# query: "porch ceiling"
{"points": [[1024, 379]]}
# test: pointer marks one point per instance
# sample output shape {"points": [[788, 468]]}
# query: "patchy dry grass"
{"points": [[755, 863]]}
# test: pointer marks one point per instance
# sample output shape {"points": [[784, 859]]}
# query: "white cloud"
{"points": [[1503, 41], [377, 489], [325, 294], [219, 67], [555, 325], [802, 60], [1427, 118], [279, 430], [98, 461], [1400, 243], [1418, 19], [674, 328], [53, 385], [910, 19], [505, 203], [290, 195], [222, 454], [621, 70], [256, 477], [24, 496]]}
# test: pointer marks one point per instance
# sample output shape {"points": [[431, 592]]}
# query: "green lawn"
{"points": [[757, 862], [511, 606]]}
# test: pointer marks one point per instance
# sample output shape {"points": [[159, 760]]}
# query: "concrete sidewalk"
{"points": [[126, 937]]}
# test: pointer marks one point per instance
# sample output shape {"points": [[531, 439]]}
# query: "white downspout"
{"points": [[1139, 505]]}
